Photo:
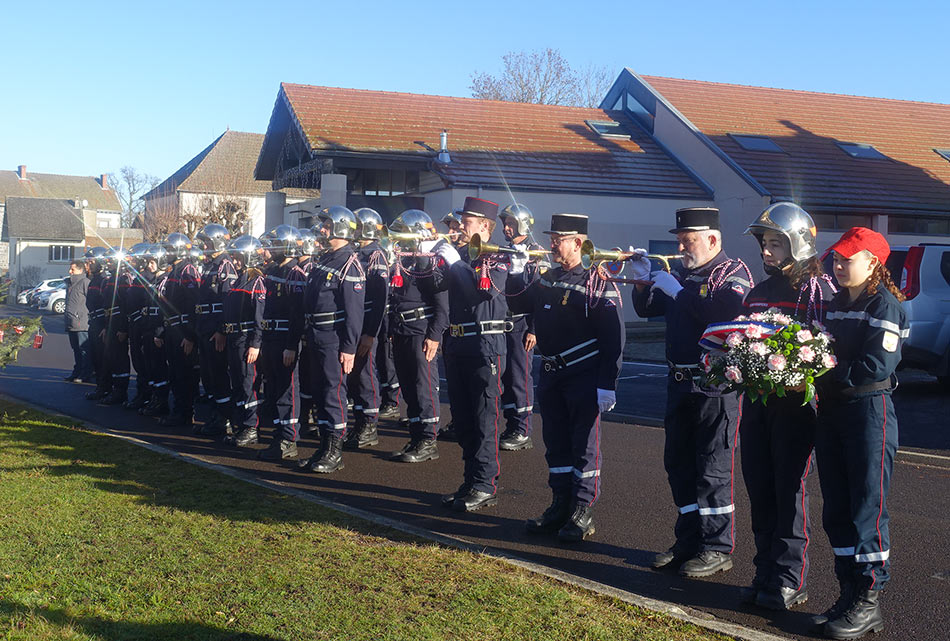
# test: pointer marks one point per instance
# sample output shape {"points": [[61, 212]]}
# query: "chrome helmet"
{"points": [[521, 214], [97, 254], [341, 222], [213, 237], [307, 240], [451, 217], [247, 249], [370, 223], [157, 253], [282, 240], [413, 221], [137, 254], [176, 245], [791, 221]]}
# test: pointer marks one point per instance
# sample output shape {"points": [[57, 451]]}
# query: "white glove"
{"points": [[448, 253], [518, 261], [426, 246], [641, 265], [606, 399], [666, 283]]}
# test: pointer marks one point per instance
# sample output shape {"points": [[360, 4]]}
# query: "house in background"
{"points": [[44, 234], [101, 208], [221, 177]]}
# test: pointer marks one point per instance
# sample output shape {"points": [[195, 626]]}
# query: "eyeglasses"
{"points": [[557, 240]]}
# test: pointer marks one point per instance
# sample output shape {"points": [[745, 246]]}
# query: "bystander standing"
{"points": [[77, 322]]}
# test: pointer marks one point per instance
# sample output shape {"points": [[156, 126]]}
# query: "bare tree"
{"points": [[130, 185], [542, 77], [161, 217]]}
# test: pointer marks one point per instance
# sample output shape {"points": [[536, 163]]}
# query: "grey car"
{"points": [[924, 277]]}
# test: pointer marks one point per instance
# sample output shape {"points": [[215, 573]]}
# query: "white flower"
{"points": [[804, 336], [733, 374], [776, 362], [759, 348], [782, 319], [734, 339], [806, 353], [757, 316], [753, 331], [829, 361]]}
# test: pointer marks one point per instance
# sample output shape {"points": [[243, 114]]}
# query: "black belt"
{"points": [[238, 328], [682, 373], [324, 318], [480, 328], [112, 311], [275, 325], [419, 313], [208, 308], [135, 316], [172, 321], [860, 390], [514, 317], [570, 356], [97, 314], [150, 311]]}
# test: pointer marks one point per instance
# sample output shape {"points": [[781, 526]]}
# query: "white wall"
{"points": [[30, 253]]}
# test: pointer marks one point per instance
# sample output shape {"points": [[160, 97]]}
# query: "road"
{"points": [[635, 515]]}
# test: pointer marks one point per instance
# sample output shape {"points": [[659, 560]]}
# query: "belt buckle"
{"points": [[455, 331], [509, 326], [197, 309], [679, 376], [548, 366]]}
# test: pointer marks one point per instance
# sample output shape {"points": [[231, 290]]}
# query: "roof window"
{"points": [[608, 128], [944, 152], [757, 143], [860, 150]]}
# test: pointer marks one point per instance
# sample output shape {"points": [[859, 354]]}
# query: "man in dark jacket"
{"points": [[77, 321]]}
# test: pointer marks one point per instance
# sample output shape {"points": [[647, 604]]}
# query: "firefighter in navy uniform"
{"points": [[475, 355], [95, 257], [386, 372], [333, 309], [580, 336], [857, 429], [217, 278], [362, 383], [282, 326], [701, 424], [418, 315], [778, 437], [518, 396], [180, 297], [143, 271], [242, 315], [152, 329], [308, 247], [115, 288]]}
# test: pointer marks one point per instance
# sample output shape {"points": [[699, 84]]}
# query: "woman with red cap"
{"points": [[857, 429]]}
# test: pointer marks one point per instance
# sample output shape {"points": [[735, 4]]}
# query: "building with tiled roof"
{"points": [[224, 171]]}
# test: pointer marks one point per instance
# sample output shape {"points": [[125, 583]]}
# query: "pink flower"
{"points": [[759, 349], [757, 316], [733, 374], [804, 336], [776, 362], [753, 331], [734, 339], [782, 319], [806, 353], [829, 361]]}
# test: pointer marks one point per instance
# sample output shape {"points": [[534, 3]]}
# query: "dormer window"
{"points": [[861, 150], [608, 128], [757, 143]]}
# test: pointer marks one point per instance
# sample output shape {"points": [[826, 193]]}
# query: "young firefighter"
{"points": [[778, 437], [137, 299], [857, 429]]}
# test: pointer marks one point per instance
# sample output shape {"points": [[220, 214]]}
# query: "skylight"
{"points": [[860, 150], [608, 128], [757, 143], [944, 152]]}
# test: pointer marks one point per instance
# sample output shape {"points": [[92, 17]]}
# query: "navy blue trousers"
{"points": [[699, 457], [281, 390], [420, 385], [329, 387], [363, 386], [243, 394], [182, 372], [855, 446], [215, 378], [517, 399], [386, 371]]}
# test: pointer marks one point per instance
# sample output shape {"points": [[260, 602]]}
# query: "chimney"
{"points": [[444, 157], [104, 181], [21, 172]]}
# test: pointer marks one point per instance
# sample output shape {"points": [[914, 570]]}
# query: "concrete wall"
{"points": [[32, 253]]}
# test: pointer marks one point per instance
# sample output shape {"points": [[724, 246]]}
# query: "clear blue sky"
{"points": [[89, 87]]}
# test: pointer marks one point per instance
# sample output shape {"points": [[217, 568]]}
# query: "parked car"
{"points": [[52, 300], [26, 297]]}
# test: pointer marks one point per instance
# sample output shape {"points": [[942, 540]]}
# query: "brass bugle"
{"points": [[477, 248], [409, 237], [590, 255]]}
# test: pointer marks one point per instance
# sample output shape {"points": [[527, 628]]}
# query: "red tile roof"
{"points": [[806, 125], [491, 142]]}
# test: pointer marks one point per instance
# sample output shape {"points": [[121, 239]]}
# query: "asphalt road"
{"points": [[635, 515]]}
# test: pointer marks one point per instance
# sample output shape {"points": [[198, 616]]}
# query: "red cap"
{"points": [[859, 239]]}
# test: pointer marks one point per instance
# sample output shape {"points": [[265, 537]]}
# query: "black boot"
{"points": [[388, 411], [419, 450], [861, 617], [330, 456], [97, 394], [177, 420], [513, 440], [579, 526], [116, 397], [279, 449], [136, 403], [244, 438], [218, 425], [706, 563], [783, 598], [845, 597], [158, 406], [448, 433], [554, 518], [364, 434]]}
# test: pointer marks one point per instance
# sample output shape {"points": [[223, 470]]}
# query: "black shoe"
{"points": [[474, 500], [419, 451], [176, 420], [845, 597], [278, 450], [511, 441], [449, 499], [862, 616], [706, 563], [135, 403], [389, 411], [328, 459], [96, 395], [554, 518], [672, 559], [448, 433], [361, 436], [749, 593], [783, 598], [115, 398], [215, 428], [70, 378], [579, 526], [244, 438], [75, 379]]}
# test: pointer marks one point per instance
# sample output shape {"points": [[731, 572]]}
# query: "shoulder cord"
{"points": [[596, 287], [721, 273], [816, 305]]}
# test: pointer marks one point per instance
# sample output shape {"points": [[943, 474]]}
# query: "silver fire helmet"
{"points": [[176, 245], [370, 223], [342, 222], [522, 215], [213, 237], [246, 249], [282, 240], [413, 221], [791, 221]]}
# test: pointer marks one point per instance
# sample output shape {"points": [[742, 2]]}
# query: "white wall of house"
{"points": [[25, 254]]}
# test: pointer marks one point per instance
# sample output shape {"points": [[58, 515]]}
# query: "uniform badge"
{"points": [[890, 341], [704, 290]]}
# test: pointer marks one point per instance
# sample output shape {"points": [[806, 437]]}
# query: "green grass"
{"points": [[100, 539]]}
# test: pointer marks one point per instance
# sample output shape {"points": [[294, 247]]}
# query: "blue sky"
{"points": [[90, 87]]}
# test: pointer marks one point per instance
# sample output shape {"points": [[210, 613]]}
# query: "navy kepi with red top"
{"points": [[858, 239], [696, 219], [480, 208], [566, 224]]}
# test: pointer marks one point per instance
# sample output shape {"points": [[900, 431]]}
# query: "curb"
{"points": [[680, 613]]}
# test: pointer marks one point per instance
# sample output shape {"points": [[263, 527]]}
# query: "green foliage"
{"points": [[18, 332]]}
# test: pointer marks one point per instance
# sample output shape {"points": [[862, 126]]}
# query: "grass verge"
{"points": [[100, 539]]}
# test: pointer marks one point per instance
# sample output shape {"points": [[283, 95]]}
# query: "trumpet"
{"points": [[477, 248], [591, 255]]}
